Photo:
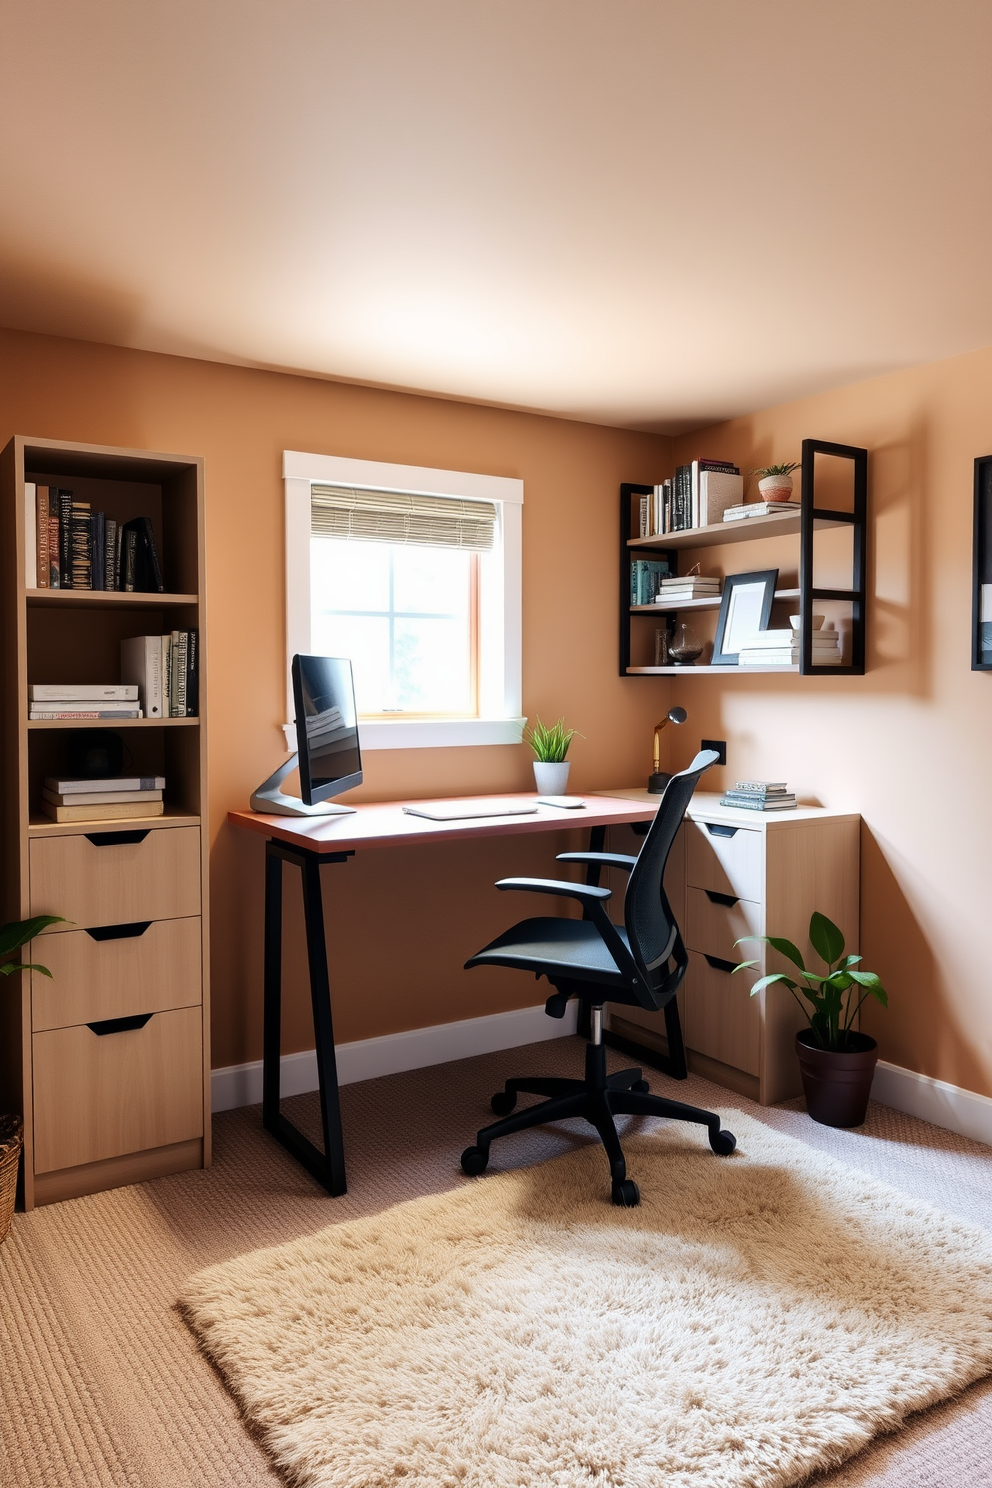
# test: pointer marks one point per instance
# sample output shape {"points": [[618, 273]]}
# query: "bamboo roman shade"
{"points": [[402, 517]]}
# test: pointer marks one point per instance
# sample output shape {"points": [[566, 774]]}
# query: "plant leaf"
{"points": [[19, 932], [871, 983], [775, 976], [825, 938], [745, 965]]}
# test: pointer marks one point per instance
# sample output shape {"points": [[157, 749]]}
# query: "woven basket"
{"points": [[10, 1156]]}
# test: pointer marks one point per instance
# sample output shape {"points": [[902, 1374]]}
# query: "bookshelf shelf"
{"points": [[699, 604], [113, 723], [839, 467], [135, 1105], [95, 599]]}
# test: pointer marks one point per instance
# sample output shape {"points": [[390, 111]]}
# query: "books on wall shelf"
{"points": [[784, 648], [70, 546], [165, 672], [115, 798], [759, 509], [760, 795], [696, 496], [691, 586], [67, 700]]}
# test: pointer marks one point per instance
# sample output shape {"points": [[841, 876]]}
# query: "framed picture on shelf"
{"points": [[745, 608]]}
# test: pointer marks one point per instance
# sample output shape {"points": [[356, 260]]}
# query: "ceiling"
{"points": [[648, 213]]}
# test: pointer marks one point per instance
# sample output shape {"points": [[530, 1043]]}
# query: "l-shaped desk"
{"points": [[308, 842]]}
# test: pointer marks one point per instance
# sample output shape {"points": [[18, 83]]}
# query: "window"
{"points": [[415, 575]]}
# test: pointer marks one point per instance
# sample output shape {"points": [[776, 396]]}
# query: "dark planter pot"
{"points": [[837, 1085]]}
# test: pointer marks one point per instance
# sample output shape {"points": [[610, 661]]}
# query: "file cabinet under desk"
{"points": [[734, 873]]}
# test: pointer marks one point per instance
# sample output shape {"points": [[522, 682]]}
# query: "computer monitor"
{"points": [[328, 752]]}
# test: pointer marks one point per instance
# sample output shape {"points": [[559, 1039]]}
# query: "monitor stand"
{"points": [[270, 801]]}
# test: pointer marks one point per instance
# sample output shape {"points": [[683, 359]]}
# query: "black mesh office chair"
{"points": [[641, 963]]}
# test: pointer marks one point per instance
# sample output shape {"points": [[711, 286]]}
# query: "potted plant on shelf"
{"points": [[836, 1061], [12, 937], [550, 746], [775, 481]]}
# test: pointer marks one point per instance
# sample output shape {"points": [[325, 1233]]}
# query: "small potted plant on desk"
{"points": [[550, 746], [836, 1061], [12, 937]]}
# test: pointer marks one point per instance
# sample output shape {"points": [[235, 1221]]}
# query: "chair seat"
{"points": [[554, 947]]}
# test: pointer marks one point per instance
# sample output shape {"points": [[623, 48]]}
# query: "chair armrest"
{"points": [[604, 859], [585, 893]]}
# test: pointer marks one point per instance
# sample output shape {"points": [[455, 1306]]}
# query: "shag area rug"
{"points": [[757, 1317]]}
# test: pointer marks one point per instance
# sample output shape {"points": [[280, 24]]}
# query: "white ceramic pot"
{"points": [[551, 779], [776, 488]]}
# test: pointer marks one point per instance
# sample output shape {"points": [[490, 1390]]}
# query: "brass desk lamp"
{"points": [[659, 777]]}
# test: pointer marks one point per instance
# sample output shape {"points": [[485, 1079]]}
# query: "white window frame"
{"points": [[500, 595]]}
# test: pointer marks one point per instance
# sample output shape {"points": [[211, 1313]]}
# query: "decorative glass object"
{"points": [[685, 646], [661, 646]]}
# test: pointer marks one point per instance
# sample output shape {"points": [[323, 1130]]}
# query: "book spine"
{"points": [[65, 539], [118, 547], [167, 676], [97, 529], [82, 556], [694, 494], [41, 714], [193, 674], [129, 559], [110, 554], [154, 571], [30, 535], [54, 540], [41, 537], [178, 674], [642, 517]]}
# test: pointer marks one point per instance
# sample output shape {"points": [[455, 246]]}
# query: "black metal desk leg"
{"points": [[327, 1166]]}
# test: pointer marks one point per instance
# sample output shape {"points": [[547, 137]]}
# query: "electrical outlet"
{"points": [[720, 745]]}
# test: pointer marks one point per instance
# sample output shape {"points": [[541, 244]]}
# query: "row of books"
{"points": [[166, 671], [760, 795], [784, 648], [113, 798], [52, 700], [70, 546], [697, 496]]}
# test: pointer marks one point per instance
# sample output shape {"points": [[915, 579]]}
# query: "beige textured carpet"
{"points": [[755, 1319], [102, 1383]]}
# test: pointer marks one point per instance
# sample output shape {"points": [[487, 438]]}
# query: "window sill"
{"points": [[431, 733]]}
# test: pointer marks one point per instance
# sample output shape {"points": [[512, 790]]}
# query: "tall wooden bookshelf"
{"points": [[109, 1062]]}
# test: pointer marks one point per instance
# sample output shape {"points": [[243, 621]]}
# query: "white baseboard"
{"points": [[366, 1059], [962, 1111]]}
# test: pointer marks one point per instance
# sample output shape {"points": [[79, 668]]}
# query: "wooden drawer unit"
{"points": [[101, 1094], [725, 857], [95, 975], [116, 877], [714, 921], [721, 1019]]}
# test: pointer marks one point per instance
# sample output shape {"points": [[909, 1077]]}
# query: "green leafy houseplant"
{"points": [[16, 934], [550, 743], [834, 998], [767, 470]]}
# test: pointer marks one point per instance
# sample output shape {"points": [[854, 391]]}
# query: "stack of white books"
{"points": [[759, 509], [760, 795], [784, 648], [112, 798], [693, 586], [47, 700]]}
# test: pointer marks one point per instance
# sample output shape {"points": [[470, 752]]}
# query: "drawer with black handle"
{"points": [[722, 1020], [114, 971], [726, 858], [714, 921], [105, 877]]}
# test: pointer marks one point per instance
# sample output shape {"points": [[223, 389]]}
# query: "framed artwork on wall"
{"points": [[745, 608], [981, 622]]}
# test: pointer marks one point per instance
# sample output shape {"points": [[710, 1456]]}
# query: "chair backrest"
{"points": [[651, 928]]}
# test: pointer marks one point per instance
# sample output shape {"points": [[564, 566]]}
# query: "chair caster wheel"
{"points": [[640, 1087], [723, 1143], [503, 1102], [626, 1194], [474, 1161]]}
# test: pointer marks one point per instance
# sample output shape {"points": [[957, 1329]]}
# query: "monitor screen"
{"points": [[326, 727]]}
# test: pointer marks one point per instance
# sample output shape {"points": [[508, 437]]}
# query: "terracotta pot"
{"points": [[776, 488], [837, 1084]]}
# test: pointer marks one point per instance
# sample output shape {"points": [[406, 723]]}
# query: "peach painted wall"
{"points": [[402, 922], [907, 745]]}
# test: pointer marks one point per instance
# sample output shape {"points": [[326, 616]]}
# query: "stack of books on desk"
{"points": [[693, 586], [48, 700], [760, 795], [784, 648], [111, 799]]}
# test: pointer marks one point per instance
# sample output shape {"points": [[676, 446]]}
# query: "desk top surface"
{"points": [[384, 823]]}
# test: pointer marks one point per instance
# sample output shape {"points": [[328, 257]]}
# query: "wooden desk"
{"points": [[307, 843]]}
